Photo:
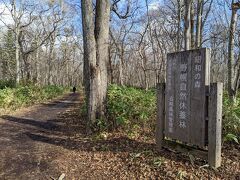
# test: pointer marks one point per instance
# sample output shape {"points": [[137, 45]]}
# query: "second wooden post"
{"points": [[160, 115]]}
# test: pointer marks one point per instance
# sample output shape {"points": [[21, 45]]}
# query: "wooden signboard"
{"points": [[189, 109], [187, 76]]}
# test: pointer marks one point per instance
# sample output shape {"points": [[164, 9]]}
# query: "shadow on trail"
{"points": [[63, 103], [59, 130], [62, 132], [120, 144], [23, 158], [68, 131], [48, 125], [115, 145]]}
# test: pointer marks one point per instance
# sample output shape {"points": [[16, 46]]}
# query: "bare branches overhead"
{"points": [[236, 5], [115, 9]]}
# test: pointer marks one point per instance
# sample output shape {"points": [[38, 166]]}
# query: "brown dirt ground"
{"points": [[47, 140]]}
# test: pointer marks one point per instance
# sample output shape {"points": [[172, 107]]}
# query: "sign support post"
{"points": [[215, 124], [160, 115]]}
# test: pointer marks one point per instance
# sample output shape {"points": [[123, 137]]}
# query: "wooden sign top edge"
{"points": [[175, 53]]}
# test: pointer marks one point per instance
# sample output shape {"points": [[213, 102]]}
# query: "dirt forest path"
{"points": [[47, 140], [28, 140]]}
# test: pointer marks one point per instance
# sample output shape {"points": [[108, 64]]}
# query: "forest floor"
{"points": [[48, 140]]}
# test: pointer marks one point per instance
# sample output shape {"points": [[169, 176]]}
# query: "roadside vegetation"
{"points": [[12, 98], [129, 131], [231, 119], [133, 111]]}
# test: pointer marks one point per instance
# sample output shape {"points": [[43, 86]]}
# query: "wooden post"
{"points": [[215, 124], [160, 115]]}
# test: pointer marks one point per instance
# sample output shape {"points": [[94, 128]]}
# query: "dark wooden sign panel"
{"points": [[187, 75]]}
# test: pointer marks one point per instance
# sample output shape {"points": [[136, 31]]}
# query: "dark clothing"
{"points": [[74, 89]]}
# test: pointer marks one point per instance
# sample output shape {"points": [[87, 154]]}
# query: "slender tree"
{"points": [[199, 23], [187, 24]]}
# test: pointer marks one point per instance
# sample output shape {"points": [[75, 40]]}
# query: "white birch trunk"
{"points": [[187, 24]]}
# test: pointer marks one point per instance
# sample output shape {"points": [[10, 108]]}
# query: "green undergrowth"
{"points": [[231, 119], [130, 109], [7, 83], [134, 111], [13, 98]]}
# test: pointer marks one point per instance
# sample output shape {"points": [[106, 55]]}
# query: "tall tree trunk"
{"points": [[120, 69], [17, 53], [1, 64], [231, 89], [17, 34], [95, 57], [179, 5], [237, 74], [199, 24], [27, 68], [187, 25], [102, 41], [37, 66], [192, 24], [110, 68], [90, 78], [50, 59]]}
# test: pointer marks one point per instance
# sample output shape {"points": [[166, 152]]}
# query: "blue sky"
{"points": [[219, 5], [153, 4]]}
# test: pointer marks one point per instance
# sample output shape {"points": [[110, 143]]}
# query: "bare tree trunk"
{"points": [[231, 89], [90, 79], [95, 57], [120, 69], [192, 25], [50, 59], [179, 26], [102, 41], [110, 68], [146, 84], [1, 65], [237, 74], [27, 68], [144, 68], [17, 53], [37, 66], [187, 24], [17, 34], [199, 24]]}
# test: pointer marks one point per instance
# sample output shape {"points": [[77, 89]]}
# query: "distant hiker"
{"points": [[74, 89]]}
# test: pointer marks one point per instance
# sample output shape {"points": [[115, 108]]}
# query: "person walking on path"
{"points": [[74, 89]]}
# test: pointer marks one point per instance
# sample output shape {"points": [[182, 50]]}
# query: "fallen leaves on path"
{"points": [[60, 148]]}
